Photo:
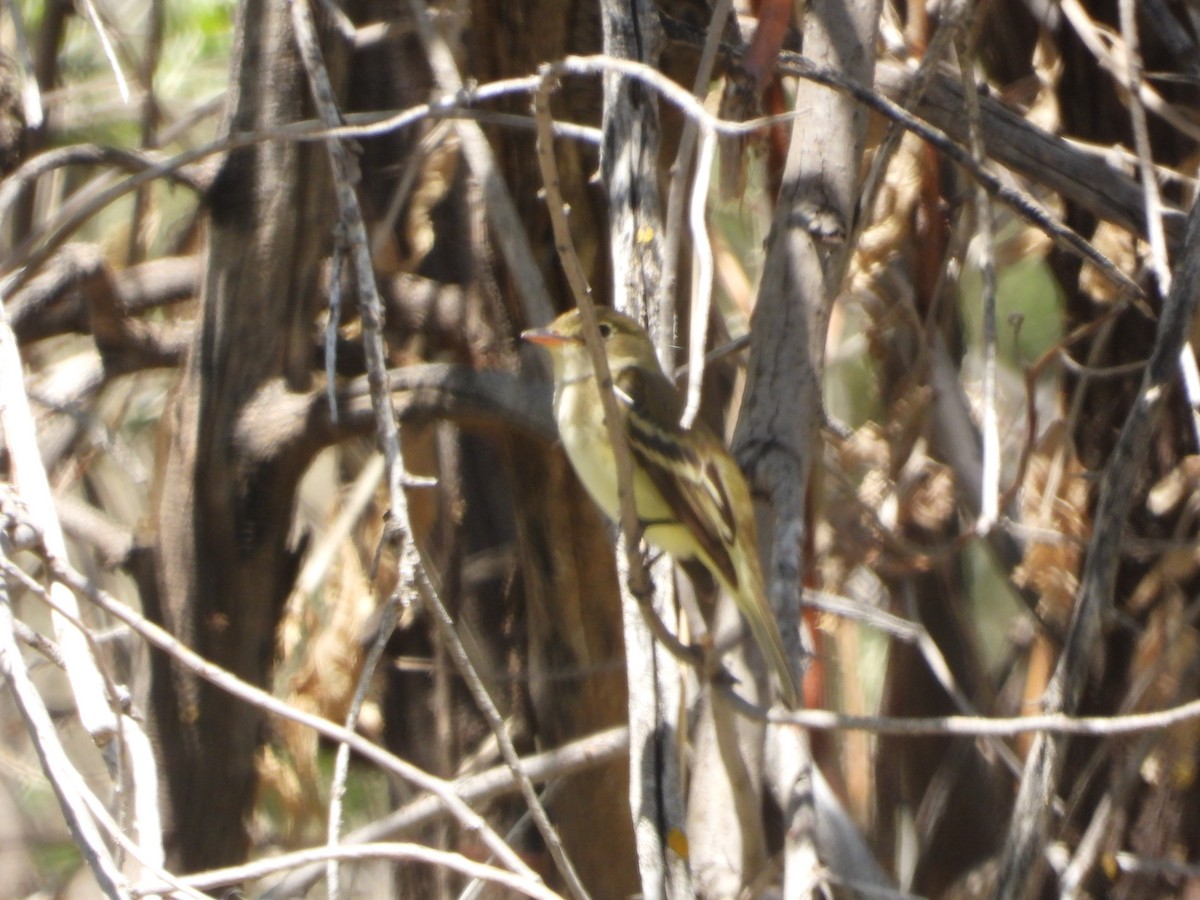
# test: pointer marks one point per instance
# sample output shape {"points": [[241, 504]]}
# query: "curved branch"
{"points": [[482, 398]]}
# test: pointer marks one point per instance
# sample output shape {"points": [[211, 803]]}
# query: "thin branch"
{"points": [[498, 727], [582, 292], [529, 886], [1058, 724], [110, 52], [985, 253], [680, 170], [576, 756], [388, 618], [631, 569], [478, 888], [702, 285], [370, 304]]}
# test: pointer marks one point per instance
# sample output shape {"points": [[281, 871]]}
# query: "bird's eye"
{"points": [[606, 330]]}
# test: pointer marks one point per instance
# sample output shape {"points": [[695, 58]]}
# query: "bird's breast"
{"points": [[581, 424], [580, 418]]}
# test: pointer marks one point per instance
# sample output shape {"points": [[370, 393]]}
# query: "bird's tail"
{"points": [[766, 634]]}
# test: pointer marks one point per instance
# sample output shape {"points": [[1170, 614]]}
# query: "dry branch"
{"points": [[1022, 862], [475, 789], [63, 777]]}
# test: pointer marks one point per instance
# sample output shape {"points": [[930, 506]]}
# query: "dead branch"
{"points": [[1022, 862]]}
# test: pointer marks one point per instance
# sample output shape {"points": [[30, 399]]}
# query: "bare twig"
{"points": [[639, 579], [576, 756], [499, 729], [632, 571], [522, 884], [703, 284], [110, 52], [985, 254], [371, 310], [680, 170], [355, 244], [388, 618], [981, 726]]}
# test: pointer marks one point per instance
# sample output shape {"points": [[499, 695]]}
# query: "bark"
{"points": [[777, 436], [224, 564]]}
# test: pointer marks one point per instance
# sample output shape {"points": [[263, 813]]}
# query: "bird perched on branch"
{"points": [[691, 498]]}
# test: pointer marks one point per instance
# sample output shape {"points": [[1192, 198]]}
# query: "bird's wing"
{"points": [[703, 488], [691, 484]]}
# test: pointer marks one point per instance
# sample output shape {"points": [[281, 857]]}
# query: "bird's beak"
{"points": [[547, 337]]}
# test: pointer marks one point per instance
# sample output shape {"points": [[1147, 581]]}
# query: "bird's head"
{"points": [[626, 343]]}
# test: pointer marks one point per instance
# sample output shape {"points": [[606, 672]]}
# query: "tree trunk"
{"points": [[224, 562]]}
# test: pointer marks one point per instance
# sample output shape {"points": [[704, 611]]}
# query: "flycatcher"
{"points": [[690, 496]]}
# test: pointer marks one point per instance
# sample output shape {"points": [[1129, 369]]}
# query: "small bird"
{"points": [[690, 496]]}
